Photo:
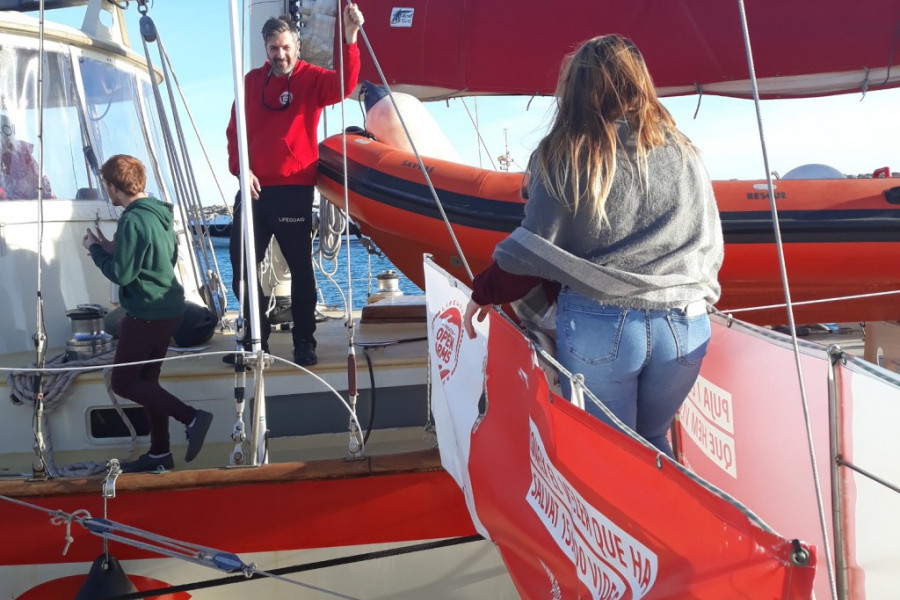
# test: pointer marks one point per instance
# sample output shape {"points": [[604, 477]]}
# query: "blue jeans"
{"points": [[640, 363]]}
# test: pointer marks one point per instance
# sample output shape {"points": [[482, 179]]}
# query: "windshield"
{"points": [[119, 103], [64, 170]]}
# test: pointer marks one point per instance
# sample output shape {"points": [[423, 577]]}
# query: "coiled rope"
{"points": [[55, 385]]}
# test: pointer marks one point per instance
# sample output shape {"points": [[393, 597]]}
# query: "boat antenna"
{"points": [[787, 297]]}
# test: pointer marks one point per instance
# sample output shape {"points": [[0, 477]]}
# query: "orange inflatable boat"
{"points": [[841, 237]]}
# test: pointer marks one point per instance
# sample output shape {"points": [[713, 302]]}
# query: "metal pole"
{"points": [[259, 430]]}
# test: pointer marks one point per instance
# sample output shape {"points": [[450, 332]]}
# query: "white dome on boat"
{"points": [[813, 171]]}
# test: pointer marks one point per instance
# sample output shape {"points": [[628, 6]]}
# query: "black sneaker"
{"points": [[305, 354], [146, 464], [196, 433]]}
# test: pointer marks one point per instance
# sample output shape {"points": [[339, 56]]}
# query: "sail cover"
{"points": [[576, 509], [801, 48]]}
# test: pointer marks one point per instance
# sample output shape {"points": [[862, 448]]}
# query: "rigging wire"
{"points": [[159, 544], [421, 163], [212, 558], [193, 198], [196, 130], [481, 142], [357, 444], [810, 302], [322, 564], [182, 172], [787, 296], [39, 466]]}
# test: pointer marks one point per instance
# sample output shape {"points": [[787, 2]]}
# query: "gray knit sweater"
{"points": [[662, 247]]}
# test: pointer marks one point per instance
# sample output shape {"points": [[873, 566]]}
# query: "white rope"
{"points": [[55, 386], [59, 374], [332, 222]]}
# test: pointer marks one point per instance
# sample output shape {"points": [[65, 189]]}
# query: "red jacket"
{"points": [[283, 144]]}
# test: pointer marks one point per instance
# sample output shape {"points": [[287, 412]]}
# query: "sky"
{"points": [[852, 133]]}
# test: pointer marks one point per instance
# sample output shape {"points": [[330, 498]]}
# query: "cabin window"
{"points": [[63, 161], [106, 423]]}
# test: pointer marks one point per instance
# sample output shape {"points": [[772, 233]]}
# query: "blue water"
{"points": [[328, 292]]}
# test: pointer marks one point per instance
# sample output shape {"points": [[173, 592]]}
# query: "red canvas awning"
{"points": [[801, 48]]}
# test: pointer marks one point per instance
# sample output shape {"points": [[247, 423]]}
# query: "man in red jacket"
{"points": [[284, 100]]}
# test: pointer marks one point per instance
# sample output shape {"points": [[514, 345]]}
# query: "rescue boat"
{"points": [[836, 233]]}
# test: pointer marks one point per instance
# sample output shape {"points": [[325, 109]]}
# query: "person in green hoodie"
{"points": [[140, 259]]}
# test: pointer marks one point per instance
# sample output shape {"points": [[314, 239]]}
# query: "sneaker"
{"points": [[230, 359], [146, 464], [196, 433], [305, 354]]}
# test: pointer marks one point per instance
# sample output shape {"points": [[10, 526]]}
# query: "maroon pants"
{"points": [[141, 340]]}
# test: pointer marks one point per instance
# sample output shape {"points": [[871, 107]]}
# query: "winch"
{"points": [[388, 286], [88, 337]]}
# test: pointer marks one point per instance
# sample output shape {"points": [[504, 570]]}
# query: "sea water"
{"points": [[362, 275]]}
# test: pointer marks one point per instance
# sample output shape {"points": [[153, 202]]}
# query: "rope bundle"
{"points": [[21, 385], [55, 384]]}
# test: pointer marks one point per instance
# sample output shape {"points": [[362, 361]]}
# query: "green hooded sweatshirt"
{"points": [[143, 262]]}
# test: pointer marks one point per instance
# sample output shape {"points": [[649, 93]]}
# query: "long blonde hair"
{"points": [[604, 82]]}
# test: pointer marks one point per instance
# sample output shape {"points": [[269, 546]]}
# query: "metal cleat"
{"points": [[113, 470]]}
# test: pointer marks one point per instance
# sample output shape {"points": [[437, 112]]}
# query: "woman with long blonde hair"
{"points": [[621, 216]]}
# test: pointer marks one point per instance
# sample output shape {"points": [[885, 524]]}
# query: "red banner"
{"points": [[579, 510]]}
